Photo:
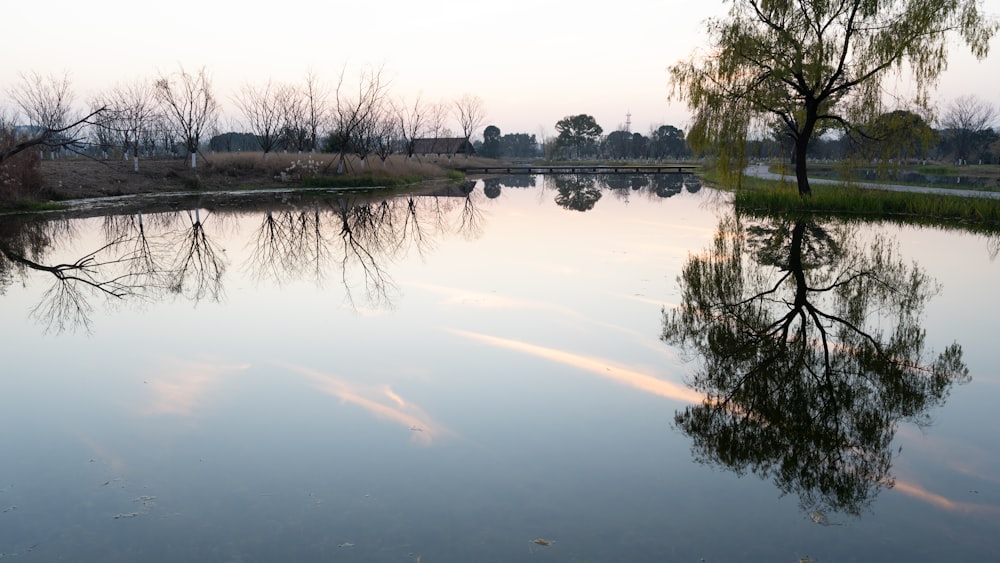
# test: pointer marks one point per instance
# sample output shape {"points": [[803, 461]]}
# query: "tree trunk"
{"points": [[801, 177], [802, 138]]}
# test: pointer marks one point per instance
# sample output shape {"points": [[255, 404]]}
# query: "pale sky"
{"points": [[531, 62]]}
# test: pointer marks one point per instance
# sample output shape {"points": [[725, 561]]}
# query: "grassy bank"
{"points": [[769, 196], [985, 177]]}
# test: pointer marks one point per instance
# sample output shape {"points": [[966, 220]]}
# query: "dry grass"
{"points": [[20, 177], [325, 164]]}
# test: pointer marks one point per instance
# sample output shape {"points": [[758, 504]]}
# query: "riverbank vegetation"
{"points": [[758, 195]]}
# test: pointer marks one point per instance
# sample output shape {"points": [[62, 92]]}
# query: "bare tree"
{"points": [[161, 132], [354, 110], [470, 111], [316, 99], [103, 134], [263, 109], [131, 112], [385, 134], [189, 105], [967, 122], [411, 120], [437, 120], [46, 102], [296, 127]]}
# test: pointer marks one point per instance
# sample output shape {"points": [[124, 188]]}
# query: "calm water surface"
{"points": [[452, 376]]}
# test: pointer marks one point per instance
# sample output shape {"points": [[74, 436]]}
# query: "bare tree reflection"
{"points": [[288, 244], [413, 231], [197, 268], [810, 352], [113, 271], [144, 263], [362, 245], [471, 224]]}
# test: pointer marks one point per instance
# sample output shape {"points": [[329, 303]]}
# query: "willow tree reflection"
{"points": [[810, 352]]}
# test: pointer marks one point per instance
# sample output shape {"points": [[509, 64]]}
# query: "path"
{"points": [[761, 171]]}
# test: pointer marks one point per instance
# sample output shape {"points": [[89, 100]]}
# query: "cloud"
{"points": [[379, 400], [182, 385], [596, 365]]}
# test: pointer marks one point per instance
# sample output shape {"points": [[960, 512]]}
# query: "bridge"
{"points": [[582, 169]]}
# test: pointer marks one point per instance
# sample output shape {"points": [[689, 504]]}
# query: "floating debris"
{"points": [[125, 515], [416, 428], [346, 544], [806, 559], [10, 509], [820, 518], [542, 542]]}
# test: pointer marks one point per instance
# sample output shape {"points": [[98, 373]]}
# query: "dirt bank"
{"points": [[78, 178]]}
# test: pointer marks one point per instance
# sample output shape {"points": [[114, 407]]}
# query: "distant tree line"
{"points": [[965, 135], [581, 137], [179, 113]]}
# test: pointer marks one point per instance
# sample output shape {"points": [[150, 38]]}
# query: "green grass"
{"points": [[947, 177], [31, 206], [976, 213], [938, 170]]}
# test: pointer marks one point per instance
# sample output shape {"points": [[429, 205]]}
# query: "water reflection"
{"points": [[810, 353], [146, 256], [114, 270], [576, 192], [581, 192]]}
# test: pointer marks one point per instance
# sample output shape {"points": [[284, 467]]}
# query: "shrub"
{"points": [[21, 174]]}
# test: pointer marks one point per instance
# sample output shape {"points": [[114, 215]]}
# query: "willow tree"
{"points": [[813, 65]]}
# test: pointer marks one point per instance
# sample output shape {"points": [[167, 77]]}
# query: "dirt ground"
{"points": [[85, 178], [78, 178]]}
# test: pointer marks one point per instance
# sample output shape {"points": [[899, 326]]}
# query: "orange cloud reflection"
{"points": [[184, 384], [381, 401], [943, 502], [599, 366], [458, 297]]}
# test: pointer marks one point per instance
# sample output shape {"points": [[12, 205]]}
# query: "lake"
{"points": [[552, 368]]}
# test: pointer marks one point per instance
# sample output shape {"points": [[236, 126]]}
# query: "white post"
{"points": [[194, 159]]}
